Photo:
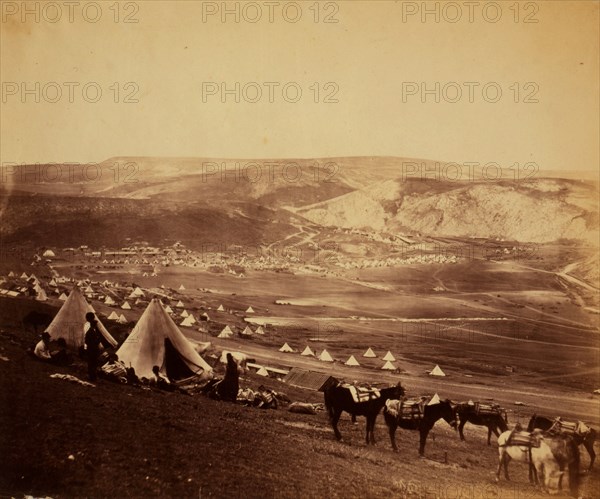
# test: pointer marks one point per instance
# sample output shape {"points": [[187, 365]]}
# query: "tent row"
{"points": [[325, 356], [227, 332]]}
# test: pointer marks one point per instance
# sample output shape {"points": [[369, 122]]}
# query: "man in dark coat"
{"points": [[229, 386], [93, 340]]}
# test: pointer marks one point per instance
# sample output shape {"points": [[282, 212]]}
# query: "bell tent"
{"points": [[157, 341], [70, 322]]}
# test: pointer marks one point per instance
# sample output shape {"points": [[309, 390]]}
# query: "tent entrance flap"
{"points": [[175, 366]]}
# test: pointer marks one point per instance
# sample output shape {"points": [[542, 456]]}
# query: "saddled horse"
{"points": [[585, 438], [493, 417], [546, 455], [339, 398], [423, 422]]}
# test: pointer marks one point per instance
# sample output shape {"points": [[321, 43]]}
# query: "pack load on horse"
{"points": [[581, 433], [546, 455], [418, 415], [358, 401], [492, 416]]}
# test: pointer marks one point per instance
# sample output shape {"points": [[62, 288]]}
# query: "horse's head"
{"points": [[532, 422], [399, 391], [395, 392]]}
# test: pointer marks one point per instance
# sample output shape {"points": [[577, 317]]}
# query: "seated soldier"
{"points": [[42, 349], [61, 357], [160, 380]]}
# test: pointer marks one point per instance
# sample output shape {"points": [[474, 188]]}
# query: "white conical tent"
{"points": [[109, 301], [52, 283], [325, 357], [307, 352], [40, 294], [11, 274], [137, 292], [191, 318], [122, 319], [24, 276], [220, 309], [48, 253], [259, 330], [389, 357], [250, 310], [437, 371], [70, 322], [369, 353], [226, 333], [63, 297], [262, 371], [352, 361], [184, 313], [126, 306], [147, 346], [179, 304], [434, 400], [168, 309], [286, 348], [388, 366], [247, 331], [188, 322], [181, 288], [88, 289], [113, 316]]}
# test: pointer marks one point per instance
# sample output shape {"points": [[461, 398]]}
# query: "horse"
{"points": [[444, 409], [494, 420], [546, 455], [339, 398], [586, 439]]}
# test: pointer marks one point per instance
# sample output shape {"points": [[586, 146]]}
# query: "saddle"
{"points": [[570, 428], [406, 409], [523, 439], [487, 409], [360, 394]]}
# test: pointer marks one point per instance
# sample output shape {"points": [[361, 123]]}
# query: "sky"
{"points": [[511, 82]]}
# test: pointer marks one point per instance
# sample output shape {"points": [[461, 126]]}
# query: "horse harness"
{"points": [[561, 427], [481, 409], [407, 410], [360, 394]]}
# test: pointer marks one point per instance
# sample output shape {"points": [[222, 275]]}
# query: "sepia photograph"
{"points": [[300, 249]]}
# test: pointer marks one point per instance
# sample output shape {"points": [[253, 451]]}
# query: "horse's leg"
{"points": [[392, 425], [507, 458], [500, 462], [369, 429], [422, 439], [462, 424], [335, 417], [373, 428], [589, 446]]}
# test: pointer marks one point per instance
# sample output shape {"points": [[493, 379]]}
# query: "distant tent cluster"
{"points": [[325, 356]]}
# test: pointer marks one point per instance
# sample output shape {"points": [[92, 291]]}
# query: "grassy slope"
{"points": [[129, 442]]}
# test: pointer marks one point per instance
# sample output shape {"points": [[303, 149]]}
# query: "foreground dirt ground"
{"points": [[131, 442]]}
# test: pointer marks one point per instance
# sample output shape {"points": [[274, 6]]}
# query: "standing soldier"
{"points": [[93, 340]]}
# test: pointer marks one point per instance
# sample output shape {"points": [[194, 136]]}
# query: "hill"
{"points": [[541, 210]]}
